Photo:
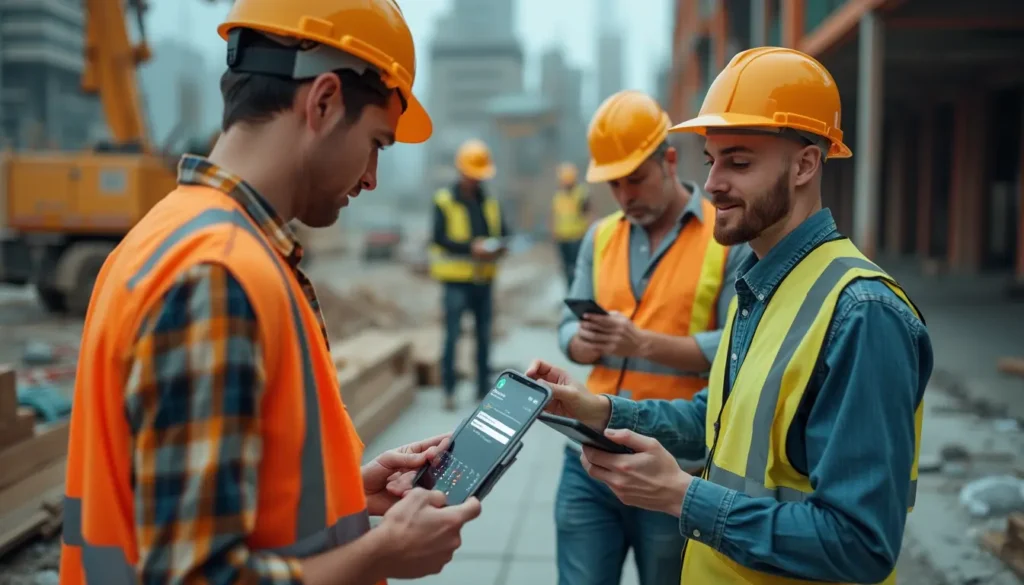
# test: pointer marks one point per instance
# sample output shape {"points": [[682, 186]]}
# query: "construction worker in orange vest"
{"points": [[657, 269], [209, 442], [469, 233], [813, 411], [570, 217]]}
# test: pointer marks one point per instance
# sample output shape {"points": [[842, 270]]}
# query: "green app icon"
{"points": [[501, 383]]}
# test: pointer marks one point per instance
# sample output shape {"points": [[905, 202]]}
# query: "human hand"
{"points": [[612, 334], [422, 534], [483, 249], [583, 352], [388, 477], [570, 398], [649, 478]]}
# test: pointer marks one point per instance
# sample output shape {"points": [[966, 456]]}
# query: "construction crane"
{"points": [[66, 211]]}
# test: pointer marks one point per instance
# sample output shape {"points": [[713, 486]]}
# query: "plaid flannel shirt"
{"points": [[193, 398]]}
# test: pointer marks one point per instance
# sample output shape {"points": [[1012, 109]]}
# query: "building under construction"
{"points": [[933, 93]]}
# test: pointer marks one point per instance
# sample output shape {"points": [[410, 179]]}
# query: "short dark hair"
{"points": [[660, 152], [255, 99]]}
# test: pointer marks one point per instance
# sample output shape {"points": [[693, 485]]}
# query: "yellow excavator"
{"points": [[65, 211]]}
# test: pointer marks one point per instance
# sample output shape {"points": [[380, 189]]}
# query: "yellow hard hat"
{"points": [[567, 173], [627, 128], [359, 35], [771, 88], [473, 160]]}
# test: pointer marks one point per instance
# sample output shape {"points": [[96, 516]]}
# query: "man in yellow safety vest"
{"points": [[468, 240], [570, 217], [812, 414], [656, 268]]}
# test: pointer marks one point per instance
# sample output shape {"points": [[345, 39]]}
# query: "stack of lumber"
{"points": [[1008, 544], [377, 377], [32, 462]]}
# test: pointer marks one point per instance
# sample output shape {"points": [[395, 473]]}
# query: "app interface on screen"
{"points": [[501, 416]]}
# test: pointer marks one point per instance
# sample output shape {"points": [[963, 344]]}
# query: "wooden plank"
{"points": [[384, 411], [8, 396], [30, 488], [21, 429], [25, 458]]}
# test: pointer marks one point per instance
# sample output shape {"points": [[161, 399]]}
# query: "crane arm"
{"points": [[110, 64]]}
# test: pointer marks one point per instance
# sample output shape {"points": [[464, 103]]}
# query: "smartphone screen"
{"points": [[486, 437]]}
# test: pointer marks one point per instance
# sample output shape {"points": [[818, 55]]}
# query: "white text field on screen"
{"points": [[490, 432], [496, 423]]}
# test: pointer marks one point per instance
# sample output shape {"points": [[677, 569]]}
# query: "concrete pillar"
{"points": [[925, 160], [895, 191], [869, 133], [758, 23], [1018, 272]]}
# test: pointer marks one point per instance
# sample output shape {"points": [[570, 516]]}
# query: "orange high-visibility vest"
{"points": [[311, 494], [679, 300]]}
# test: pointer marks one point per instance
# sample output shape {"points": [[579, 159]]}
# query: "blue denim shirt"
{"points": [[853, 436]]}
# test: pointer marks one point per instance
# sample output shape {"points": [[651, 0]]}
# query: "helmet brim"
{"points": [[415, 125], [700, 125]]}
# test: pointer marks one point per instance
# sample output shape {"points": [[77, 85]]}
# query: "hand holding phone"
{"points": [[582, 434], [581, 307], [422, 535]]}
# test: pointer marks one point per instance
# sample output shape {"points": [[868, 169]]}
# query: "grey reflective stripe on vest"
{"points": [[753, 483], [643, 366], [312, 535]]}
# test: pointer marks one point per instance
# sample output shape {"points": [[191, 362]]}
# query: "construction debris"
{"points": [[1011, 365], [32, 462], [1008, 545]]}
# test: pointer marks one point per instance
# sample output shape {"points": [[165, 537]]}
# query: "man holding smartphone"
{"points": [[468, 234], [209, 442], [813, 409], [666, 283]]}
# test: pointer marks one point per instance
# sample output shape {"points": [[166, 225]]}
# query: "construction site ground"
{"points": [[970, 407]]}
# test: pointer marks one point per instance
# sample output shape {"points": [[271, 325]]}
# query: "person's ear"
{"points": [[323, 104], [806, 164]]}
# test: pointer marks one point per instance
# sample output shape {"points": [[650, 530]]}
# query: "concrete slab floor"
{"points": [[513, 540]]}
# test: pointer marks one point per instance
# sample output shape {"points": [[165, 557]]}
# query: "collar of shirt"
{"points": [[478, 192], [196, 170], [761, 277], [695, 205]]}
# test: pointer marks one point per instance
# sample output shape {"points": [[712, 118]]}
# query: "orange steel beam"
{"points": [[840, 24], [792, 22]]}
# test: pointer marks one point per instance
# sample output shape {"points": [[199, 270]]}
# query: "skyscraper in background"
{"points": [[475, 57], [608, 61]]}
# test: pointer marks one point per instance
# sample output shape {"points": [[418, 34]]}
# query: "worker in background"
{"points": [[813, 411], [209, 442], [570, 217], [657, 269], [468, 240]]}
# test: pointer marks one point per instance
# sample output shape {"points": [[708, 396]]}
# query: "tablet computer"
{"points": [[582, 434]]}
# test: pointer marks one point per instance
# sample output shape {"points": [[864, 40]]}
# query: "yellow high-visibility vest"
{"points": [[768, 389], [570, 221], [448, 267]]}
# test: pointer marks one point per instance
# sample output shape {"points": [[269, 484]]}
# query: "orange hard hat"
{"points": [[567, 173], [769, 89], [626, 129], [359, 35], [473, 160]]}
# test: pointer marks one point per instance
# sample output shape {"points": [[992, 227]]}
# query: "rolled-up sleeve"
{"points": [[582, 288]]}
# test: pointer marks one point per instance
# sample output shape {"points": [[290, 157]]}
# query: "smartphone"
{"points": [[486, 444], [581, 307], [582, 434]]}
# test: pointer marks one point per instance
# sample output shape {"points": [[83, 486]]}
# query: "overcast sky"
{"points": [[646, 25]]}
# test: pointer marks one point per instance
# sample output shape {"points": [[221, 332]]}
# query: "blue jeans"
{"points": [[459, 298], [596, 530], [568, 252]]}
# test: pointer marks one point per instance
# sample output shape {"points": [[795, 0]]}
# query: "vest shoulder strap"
{"points": [[603, 232], [443, 197]]}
